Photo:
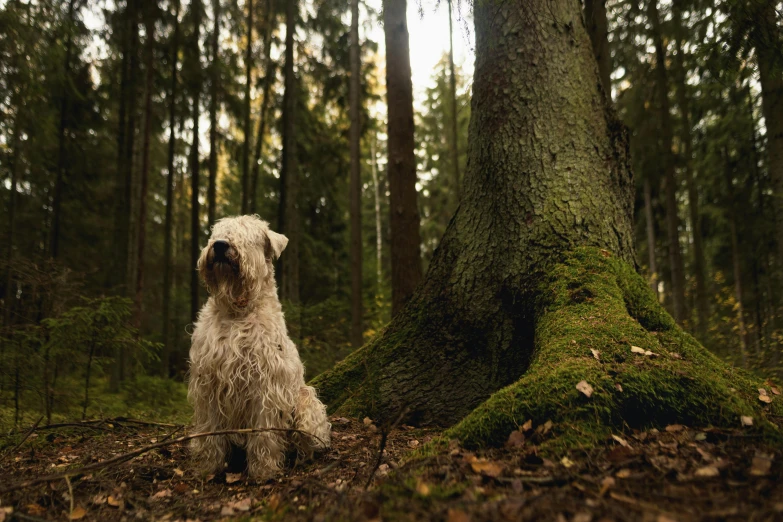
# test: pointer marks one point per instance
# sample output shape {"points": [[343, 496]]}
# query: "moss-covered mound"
{"points": [[597, 321]]}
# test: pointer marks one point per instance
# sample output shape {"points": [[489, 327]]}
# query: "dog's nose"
{"points": [[220, 248]]}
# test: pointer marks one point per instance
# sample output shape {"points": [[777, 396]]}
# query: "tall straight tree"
{"points": [[405, 237], [289, 176], [165, 357], [454, 115], [355, 181], [269, 77], [667, 159], [247, 127], [195, 227], [214, 86], [598, 30], [150, 15]]}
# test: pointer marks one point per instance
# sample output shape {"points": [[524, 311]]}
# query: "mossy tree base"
{"points": [[592, 309]]}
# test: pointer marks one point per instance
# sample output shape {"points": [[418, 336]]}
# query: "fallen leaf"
{"points": [[675, 428], [582, 516], [762, 462], [226, 511], [163, 493], [619, 454], [242, 505], [457, 515], [413, 443], [707, 472], [565, 461], [606, 484], [675, 355], [77, 513], [585, 388], [546, 427], [746, 420], [596, 354], [178, 472], [487, 468], [515, 440], [274, 501], [422, 488], [623, 473], [763, 396], [622, 441], [636, 349], [233, 477], [762, 391], [527, 426], [4, 512], [774, 390], [114, 501], [367, 421], [35, 509], [99, 499], [618, 387]]}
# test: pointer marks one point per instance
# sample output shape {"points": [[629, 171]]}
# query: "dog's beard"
{"points": [[224, 281]]}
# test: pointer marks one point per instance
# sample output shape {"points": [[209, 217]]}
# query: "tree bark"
{"points": [[770, 65], [247, 128], [10, 294], [355, 181], [454, 114], [149, 59], [548, 171], [289, 177], [735, 260], [269, 77], [195, 226], [213, 106], [650, 227], [378, 230], [405, 239], [169, 223], [667, 158], [702, 305], [598, 29]]}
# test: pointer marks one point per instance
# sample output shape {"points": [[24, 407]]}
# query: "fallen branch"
{"points": [[384, 436], [140, 451], [97, 424], [27, 435]]}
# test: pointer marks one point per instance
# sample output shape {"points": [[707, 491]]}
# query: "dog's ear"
{"points": [[277, 243]]}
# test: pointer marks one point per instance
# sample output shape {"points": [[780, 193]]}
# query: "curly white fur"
{"points": [[245, 372]]}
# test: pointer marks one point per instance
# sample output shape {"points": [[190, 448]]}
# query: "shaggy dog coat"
{"points": [[244, 370]]}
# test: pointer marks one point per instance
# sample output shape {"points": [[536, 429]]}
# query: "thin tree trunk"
{"points": [[87, 376], [735, 261], [213, 123], [454, 114], [672, 219], [702, 305], [169, 224], [289, 177], [650, 226], [149, 53], [268, 80], [378, 231], [355, 181], [405, 236], [247, 128], [130, 153], [598, 30], [62, 160], [10, 294], [195, 227]]}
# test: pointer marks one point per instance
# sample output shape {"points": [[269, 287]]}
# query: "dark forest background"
{"points": [[121, 145]]}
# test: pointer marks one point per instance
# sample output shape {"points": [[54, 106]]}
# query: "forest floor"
{"points": [[676, 474]]}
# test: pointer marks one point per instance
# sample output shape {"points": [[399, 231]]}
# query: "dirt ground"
{"points": [[677, 474]]}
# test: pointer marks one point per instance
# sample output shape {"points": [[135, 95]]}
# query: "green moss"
{"points": [[592, 301]]}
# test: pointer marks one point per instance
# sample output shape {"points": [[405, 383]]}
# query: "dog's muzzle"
{"points": [[221, 252]]}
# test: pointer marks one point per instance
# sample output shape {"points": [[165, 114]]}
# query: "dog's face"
{"points": [[237, 261]]}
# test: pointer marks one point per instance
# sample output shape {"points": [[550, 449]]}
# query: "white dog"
{"points": [[244, 370]]}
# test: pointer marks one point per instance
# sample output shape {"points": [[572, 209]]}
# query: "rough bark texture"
{"points": [[667, 159], [195, 165], [770, 66], [213, 107], [355, 181], [650, 228], [548, 171], [289, 177], [405, 239], [699, 269], [454, 115], [378, 231], [598, 29], [165, 357], [247, 128]]}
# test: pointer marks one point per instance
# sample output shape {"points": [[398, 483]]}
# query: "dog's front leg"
{"points": [[310, 417], [265, 454]]}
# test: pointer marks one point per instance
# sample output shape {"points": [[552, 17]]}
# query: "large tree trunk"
{"points": [[149, 59], [650, 234], [405, 238], [165, 357], [454, 116], [195, 226], [269, 77], [539, 182], [771, 78], [289, 177], [702, 305], [247, 128], [355, 181], [378, 231], [598, 29], [667, 159], [213, 106]]}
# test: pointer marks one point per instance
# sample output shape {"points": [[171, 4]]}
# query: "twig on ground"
{"points": [[96, 424], [176, 430], [27, 435], [145, 423], [384, 436], [140, 451], [70, 494]]}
